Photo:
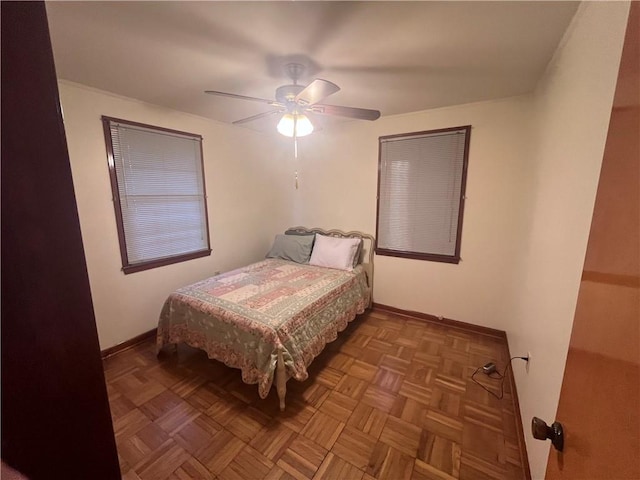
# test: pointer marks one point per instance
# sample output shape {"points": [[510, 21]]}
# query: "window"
{"points": [[421, 182], [158, 189]]}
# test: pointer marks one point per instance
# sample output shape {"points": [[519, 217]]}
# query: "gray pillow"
{"points": [[356, 259], [296, 248]]}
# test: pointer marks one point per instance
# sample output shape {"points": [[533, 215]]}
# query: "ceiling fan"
{"points": [[295, 101]]}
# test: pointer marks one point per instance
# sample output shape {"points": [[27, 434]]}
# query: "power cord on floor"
{"points": [[500, 376]]}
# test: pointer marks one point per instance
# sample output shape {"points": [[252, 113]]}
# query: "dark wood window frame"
{"points": [[455, 258], [127, 266]]}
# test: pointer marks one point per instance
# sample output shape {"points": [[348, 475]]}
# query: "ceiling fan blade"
{"points": [[243, 97], [255, 117], [316, 91], [351, 112]]}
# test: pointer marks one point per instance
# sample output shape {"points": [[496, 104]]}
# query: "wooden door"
{"points": [[600, 398], [56, 422]]}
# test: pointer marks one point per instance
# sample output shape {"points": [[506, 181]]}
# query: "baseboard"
{"points": [[524, 457], [107, 352], [492, 332]]}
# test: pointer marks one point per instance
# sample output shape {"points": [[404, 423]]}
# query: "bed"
{"points": [[270, 319]]}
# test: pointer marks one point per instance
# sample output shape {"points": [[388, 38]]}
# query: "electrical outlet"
{"points": [[528, 361]]}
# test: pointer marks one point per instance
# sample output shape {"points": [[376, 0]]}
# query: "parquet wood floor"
{"points": [[392, 398]]}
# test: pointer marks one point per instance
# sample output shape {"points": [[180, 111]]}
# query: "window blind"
{"points": [[160, 186], [420, 192]]}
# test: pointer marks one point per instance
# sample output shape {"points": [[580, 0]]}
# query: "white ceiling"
{"points": [[396, 57]]}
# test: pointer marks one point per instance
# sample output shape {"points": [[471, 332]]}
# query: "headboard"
{"points": [[366, 255]]}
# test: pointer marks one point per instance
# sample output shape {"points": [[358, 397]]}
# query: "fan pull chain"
{"points": [[295, 144], [295, 151], [295, 135]]}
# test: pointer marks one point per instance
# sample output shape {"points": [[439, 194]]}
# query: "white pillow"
{"points": [[334, 252]]}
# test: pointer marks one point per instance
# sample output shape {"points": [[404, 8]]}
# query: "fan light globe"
{"points": [[303, 125]]}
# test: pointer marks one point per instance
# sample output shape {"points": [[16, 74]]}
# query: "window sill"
{"points": [[432, 257], [138, 267]]}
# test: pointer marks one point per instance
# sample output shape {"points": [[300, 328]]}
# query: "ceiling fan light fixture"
{"points": [[297, 121]]}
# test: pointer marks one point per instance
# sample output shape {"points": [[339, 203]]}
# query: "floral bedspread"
{"points": [[242, 317]]}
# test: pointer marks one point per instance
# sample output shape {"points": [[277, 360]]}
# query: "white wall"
{"points": [[246, 202], [572, 107], [338, 189]]}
